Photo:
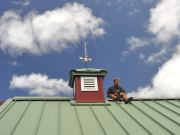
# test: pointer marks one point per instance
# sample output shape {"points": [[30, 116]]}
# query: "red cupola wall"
{"points": [[88, 85]]}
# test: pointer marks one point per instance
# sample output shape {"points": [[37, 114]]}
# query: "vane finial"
{"points": [[85, 59]]}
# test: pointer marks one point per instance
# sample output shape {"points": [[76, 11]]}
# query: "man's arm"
{"points": [[111, 94], [122, 90]]}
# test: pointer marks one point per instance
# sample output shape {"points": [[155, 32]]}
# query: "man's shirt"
{"points": [[115, 90]]}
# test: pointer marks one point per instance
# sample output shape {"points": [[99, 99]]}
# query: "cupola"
{"points": [[87, 84]]}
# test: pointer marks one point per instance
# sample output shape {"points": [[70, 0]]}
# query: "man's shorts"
{"points": [[120, 96]]}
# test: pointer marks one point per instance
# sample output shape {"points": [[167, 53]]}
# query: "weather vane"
{"points": [[85, 59]]}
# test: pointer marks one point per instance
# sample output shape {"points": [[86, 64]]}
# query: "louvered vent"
{"points": [[89, 84]]}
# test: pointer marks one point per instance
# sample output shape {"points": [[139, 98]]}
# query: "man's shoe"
{"points": [[115, 99], [119, 99], [126, 101], [130, 99]]}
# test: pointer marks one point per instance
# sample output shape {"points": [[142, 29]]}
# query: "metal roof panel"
{"points": [[57, 116]]}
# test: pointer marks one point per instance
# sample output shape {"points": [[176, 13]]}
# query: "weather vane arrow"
{"points": [[85, 59]]}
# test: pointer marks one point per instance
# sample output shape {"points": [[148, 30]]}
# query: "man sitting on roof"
{"points": [[117, 93]]}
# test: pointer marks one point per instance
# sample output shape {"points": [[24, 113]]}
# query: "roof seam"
{"points": [[97, 120], [32, 117], [5, 105], [117, 120], [168, 109], [152, 119], [163, 114], [157, 121], [9, 106], [134, 119], [20, 118], [79, 121], [41, 113], [173, 104], [59, 117]]}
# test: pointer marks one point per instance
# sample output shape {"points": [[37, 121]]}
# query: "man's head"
{"points": [[116, 81]]}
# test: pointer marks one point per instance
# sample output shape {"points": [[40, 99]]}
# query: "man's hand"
{"points": [[113, 96]]}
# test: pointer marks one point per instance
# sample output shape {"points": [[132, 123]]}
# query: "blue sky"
{"points": [[41, 41]]}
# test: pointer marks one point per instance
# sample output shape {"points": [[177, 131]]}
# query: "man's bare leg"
{"points": [[125, 97]]}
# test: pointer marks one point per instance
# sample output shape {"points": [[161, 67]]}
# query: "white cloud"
{"points": [[14, 63], [164, 24], [164, 27], [165, 20], [142, 56], [41, 85], [166, 83], [136, 43], [53, 30], [109, 3], [23, 3], [156, 57], [124, 55], [133, 12], [153, 58], [148, 1]]}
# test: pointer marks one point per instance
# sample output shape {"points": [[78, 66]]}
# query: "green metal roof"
{"points": [[57, 116]]}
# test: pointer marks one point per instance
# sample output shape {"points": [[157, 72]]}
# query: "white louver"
{"points": [[89, 84]]}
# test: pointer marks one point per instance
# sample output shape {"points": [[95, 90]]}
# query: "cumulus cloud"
{"points": [[53, 30], [164, 24], [153, 58], [148, 1], [136, 43], [133, 12], [142, 56], [14, 63], [163, 29], [40, 84], [124, 55], [23, 3], [166, 83], [165, 20], [157, 57]]}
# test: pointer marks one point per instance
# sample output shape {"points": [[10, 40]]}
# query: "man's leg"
{"points": [[125, 97], [115, 97], [112, 96]]}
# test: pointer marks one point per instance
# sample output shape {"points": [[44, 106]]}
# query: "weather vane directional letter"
{"points": [[85, 59]]}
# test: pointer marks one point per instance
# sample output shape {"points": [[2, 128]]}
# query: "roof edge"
{"points": [[42, 98], [74, 103], [5, 105], [34, 98], [150, 99]]}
